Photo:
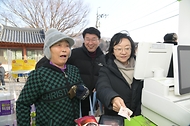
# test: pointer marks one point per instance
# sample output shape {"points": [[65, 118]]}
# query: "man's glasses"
{"points": [[91, 40]]}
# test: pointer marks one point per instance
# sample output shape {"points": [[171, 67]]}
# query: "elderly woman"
{"points": [[55, 88], [116, 86]]}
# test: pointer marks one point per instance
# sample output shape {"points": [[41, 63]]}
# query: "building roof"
{"points": [[21, 35]]}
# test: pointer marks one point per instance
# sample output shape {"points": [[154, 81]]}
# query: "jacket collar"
{"points": [[98, 51]]}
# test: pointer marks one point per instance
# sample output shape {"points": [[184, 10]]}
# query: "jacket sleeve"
{"points": [[104, 91], [28, 95], [138, 104]]}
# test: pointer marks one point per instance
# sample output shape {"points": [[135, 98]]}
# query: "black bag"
{"points": [[111, 120]]}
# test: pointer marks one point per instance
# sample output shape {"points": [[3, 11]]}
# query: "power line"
{"points": [[148, 14], [152, 12], [154, 23]]}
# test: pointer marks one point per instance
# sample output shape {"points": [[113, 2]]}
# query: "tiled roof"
{"points": [[21, 35]]}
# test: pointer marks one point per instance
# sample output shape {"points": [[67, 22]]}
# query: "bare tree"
{"points": [[68, 16]]}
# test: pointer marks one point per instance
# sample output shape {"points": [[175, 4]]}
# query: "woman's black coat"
{"points": [[111, 83]]}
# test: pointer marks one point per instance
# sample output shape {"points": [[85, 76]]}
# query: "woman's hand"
{"points": [[117, 102]]}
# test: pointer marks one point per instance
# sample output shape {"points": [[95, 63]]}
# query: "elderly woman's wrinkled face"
{"points": [[60, 53], [122, 51]]}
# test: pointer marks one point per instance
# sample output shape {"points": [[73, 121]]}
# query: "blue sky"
{"points": [[146, 20]]}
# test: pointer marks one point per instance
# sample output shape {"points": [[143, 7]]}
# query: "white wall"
{"points": [[184, 23]]}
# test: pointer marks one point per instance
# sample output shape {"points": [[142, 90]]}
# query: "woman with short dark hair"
{"points": [[116, 86]]}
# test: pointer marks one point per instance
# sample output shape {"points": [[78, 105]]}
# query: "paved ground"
{"points": [[12, 85]]}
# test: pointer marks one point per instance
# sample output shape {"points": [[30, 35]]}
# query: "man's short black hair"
{"points": [[91, 30]]}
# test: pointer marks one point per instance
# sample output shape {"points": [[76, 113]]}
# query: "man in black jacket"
{"points": [[170, 38], [87, 59]]}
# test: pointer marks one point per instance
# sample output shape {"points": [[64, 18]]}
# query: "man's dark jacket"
{"points": [[88, 66]]}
